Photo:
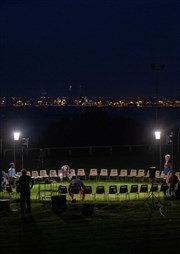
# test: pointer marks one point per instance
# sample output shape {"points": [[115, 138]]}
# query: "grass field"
{"points": [[123, 226], [43, 191]]}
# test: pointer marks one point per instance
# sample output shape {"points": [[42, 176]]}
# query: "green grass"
{"points": [[42, 192], [118, 228], [129, 226]]}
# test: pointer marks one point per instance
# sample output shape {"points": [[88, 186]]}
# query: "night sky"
{"points": [[89, 47]]}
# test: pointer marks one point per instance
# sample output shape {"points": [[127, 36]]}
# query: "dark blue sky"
{"points": [[96, 47]]}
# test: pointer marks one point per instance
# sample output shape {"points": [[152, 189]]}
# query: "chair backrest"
{"points": [[80, 172], [112, 189], [144, 188], [103, 172], [93, 172], [43, 173], [62, 189], [52, 173], [154, 187], [35, 174], [134, 188], [141, 173], [88, 189], [123, 189], [123, 172], [133, 172], [100, 189], [113, 172]]}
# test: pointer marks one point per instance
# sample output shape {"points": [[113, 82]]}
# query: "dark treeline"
{"points": [[69, 127], [86, 126], [94, 127]]}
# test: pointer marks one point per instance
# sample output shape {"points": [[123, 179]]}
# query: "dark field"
{"points": [[145, 225], [113, 228]]}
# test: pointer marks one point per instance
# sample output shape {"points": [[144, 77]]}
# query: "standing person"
{"points": [[167, 167], [3, 180], [76, 186], [12, 174], [173, 180], [25, 185]]}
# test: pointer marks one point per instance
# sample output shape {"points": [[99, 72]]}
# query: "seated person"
{"points": [[76, 185]]}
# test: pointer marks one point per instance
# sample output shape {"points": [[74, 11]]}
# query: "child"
{"points": [[64, 172]]}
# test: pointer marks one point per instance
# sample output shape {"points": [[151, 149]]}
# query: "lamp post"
{"points": [[16, 138], [158, 137], [171, 138], [25, 142]]}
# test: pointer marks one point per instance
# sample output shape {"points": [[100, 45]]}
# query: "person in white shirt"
{"points": [[12, 175]]}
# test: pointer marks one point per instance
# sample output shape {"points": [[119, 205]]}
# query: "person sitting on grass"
{"points": [[76, 186]]}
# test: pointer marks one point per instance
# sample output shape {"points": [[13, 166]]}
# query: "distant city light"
{"points": [[98, 101]]}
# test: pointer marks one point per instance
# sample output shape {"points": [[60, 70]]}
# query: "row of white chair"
{"points": [[103, 174]]}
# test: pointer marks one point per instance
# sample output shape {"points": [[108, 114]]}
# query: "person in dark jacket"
{"points": [[76, 186], [25, 185], [173, 180]]}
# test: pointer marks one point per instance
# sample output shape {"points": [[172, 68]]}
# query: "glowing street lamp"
{"points": [[158, 137], [16, 138], [157, 134]]}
